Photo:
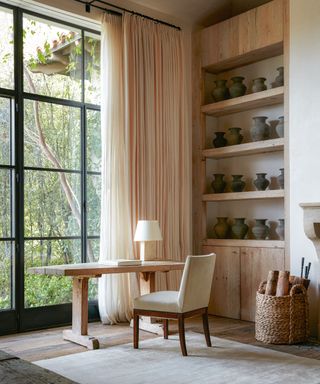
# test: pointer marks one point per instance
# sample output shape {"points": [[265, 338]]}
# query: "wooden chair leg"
{"points": [[182, 335], [165, 328], [205, 322], [135, 330]]}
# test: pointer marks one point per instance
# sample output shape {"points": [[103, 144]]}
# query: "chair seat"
{"points": [[164, 301]]}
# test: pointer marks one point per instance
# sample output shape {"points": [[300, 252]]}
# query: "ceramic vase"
{"points": [[260, 130], [220, 92], [280, 229], [220, 140], [234, 137], [279, 80], [280, 178], [261, 183], [260, 230], [237, 88], [222, 228], [237, 185], [218, 184], [280, 127], [259, 85], [239, 229]]}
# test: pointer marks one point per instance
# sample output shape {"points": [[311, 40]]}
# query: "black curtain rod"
{"points": [[89, 4]]}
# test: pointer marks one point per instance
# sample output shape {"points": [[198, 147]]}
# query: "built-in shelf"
{"points": [[245, 243], [250, 195], [253, 148], [243, 103]]}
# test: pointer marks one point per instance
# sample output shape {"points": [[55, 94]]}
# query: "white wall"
{"points": [[304, 135]]}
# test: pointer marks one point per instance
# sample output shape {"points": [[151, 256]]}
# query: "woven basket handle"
{"points": [[298, 287]]}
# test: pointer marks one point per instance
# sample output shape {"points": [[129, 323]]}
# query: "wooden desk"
{"points": [[81, 273]]}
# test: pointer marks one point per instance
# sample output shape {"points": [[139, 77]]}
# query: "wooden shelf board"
{"points": [[249, 195], [246, 58], [243, 103], [272, 145], [245, 243]]}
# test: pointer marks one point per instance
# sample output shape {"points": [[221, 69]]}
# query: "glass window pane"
{"points": [[93, 141], [5, 203], [92, 68], [52, 136], [6, 49], [93, 250], [93, 204], [52, 204], [48, 290], [6, 257], [52, 59], [5, 131]]}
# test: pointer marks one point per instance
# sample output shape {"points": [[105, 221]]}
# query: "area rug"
{"points": [[158, 361]]}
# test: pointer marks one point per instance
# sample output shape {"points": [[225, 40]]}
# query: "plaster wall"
{"points": [[304, 136]]}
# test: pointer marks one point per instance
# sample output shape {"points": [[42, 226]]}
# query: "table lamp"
{"points": [[147, 232]]}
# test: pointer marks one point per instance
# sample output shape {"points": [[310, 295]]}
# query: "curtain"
{"points": [[115, 291], [146, 140]]}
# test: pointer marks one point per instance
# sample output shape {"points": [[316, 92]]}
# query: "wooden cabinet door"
{"points": [[255, 265], [225, 290], [251, 36]]}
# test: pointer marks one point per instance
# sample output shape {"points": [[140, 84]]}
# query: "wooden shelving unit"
{"points": [[246, 149], [243, 103], [240, 43], [250, 195], [244, 243]]}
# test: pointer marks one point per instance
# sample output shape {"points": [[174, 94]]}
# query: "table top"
{"points": [[98, 269]]}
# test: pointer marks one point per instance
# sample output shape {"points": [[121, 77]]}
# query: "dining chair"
{"points": [[192, 299]]}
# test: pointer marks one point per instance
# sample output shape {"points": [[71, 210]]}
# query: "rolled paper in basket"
{"points": [[294, 280], [262, 287], [271, 286], [283, 284]]}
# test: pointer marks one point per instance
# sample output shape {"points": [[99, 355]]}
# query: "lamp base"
{"points": [[148, 250]]}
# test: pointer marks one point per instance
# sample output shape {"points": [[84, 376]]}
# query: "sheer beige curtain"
{"points": [[115, 291], [160, 137], [146, 140]]}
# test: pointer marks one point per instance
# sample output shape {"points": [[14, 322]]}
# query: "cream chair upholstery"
{"points": [[192, 299]]}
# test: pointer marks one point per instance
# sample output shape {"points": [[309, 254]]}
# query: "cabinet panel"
{"points": [[251, 36], [255, 265], [225, 290], [269, 24]]}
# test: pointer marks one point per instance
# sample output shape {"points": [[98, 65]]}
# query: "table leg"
{"points": [[79, 332]]}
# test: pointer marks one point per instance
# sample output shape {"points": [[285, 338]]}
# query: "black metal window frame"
{"points": [[19, 318]]}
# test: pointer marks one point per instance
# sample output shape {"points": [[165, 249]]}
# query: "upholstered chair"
{"points": [[192, 299]]}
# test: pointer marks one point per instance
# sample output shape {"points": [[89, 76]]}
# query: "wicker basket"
{"points": [[283, 319]]}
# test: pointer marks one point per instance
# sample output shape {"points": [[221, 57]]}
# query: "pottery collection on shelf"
{"points": [[234, 136], [261, 183], [260, 130], [259, 85], [222, 228], [237, 185], [239, 229], [237, 87], [279, 80], [218, 184], [221, 91], [219, 141], [260, 230], [280, 126], [280, 178], [280, 229]]}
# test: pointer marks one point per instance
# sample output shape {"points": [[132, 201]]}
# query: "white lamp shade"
{"points": [[147, 230]]}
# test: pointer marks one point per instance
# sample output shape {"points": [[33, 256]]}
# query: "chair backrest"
{"points": [[196, 282]]}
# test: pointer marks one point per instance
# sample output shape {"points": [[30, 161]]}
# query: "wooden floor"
{"points": [[48, 343]]}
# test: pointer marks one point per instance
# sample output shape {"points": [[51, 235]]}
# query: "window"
{"points": [[50, 155]]}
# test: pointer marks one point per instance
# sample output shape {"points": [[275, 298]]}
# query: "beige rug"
{"points": [[159, 361]]}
